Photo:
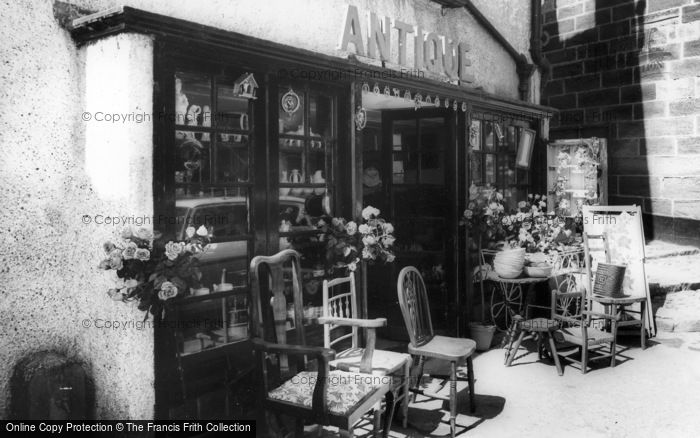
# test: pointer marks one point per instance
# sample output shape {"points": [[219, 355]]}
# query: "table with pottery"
{"points": [[514, 282]]}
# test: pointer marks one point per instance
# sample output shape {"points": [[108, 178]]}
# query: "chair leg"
{"points": [[388, 416], [453, 397], [642, 323], [584, 358], [553, 352], [514, 351], [421, 363], [470, 378], [406, 390]]}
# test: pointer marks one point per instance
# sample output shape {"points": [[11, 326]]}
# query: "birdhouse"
{"points": [[245, 86]]}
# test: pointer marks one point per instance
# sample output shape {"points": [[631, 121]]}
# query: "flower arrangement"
{"points": [[527, 226], [348, 243], [484, 216], [152, 272]]}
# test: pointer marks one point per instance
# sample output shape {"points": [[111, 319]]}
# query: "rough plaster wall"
{"points": [[49, 282], [512, 19], [322, 22]]}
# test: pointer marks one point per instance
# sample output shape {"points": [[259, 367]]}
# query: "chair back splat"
{"points": [[269, 277], [414, 306], [340, 301]]}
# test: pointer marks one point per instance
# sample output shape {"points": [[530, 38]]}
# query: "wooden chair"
{"points": [[296, 380], [621, 305], [577, 328], [424, 343], [339, 306]]}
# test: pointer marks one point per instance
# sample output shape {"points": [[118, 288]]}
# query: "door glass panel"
{"points": [[432, 170], [405, 159]]}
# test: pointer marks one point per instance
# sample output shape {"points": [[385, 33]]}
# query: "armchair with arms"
{"points": [[296, 380]]}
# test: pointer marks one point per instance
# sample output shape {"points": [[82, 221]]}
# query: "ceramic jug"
{"points": [[296, 178], [283, 179], [319, 179]]}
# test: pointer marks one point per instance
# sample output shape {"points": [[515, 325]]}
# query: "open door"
{"points": [[407, 175]]}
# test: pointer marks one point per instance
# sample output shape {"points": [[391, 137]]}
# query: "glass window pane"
{"points": [[291, 110], [193, 157], [477, 174], [232, 111], [192, 98], [232, 161], [490, 171], [512, 139], [320, 111], [475, 135], [316, 168], [489, 143]]}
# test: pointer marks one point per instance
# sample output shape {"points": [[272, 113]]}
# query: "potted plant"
{"points": [[483, 218]]}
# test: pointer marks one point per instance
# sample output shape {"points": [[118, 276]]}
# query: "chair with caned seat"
{"points": [[578, 329], [296, 380], [425, 344], [340, 306]]}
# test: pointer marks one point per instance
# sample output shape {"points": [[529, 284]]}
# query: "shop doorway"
{"points": [[408, 176]]}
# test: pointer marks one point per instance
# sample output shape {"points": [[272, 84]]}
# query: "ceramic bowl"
{"points": [[538, 271]]}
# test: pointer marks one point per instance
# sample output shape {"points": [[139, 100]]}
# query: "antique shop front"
{"points": [[258, 140]]}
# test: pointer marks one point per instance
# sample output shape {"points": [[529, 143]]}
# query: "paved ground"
{"points": [[650, 393]]}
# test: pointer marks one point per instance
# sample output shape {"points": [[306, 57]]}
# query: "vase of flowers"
{"points": [[151, 271]]}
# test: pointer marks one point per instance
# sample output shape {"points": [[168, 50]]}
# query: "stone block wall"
{"points": [[629, 71]]}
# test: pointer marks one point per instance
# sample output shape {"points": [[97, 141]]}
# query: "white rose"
{"points": [[173, 249], [142, 254], [144, 234], [364, 229], [388, 228], [190, 232], [202, 231], [167, 290], [369, 212], [351, 228], [369, 240]]}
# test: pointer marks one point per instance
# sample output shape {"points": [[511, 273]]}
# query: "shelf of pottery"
{"points": [[212, 135], [305, 151]]}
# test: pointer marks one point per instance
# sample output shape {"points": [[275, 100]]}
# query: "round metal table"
{"points": [[507, 297]]}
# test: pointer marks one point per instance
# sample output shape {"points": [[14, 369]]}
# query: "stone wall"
{"points": [[629, 71]]}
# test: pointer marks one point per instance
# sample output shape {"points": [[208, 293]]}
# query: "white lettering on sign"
{"points": [[432, 52]]}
